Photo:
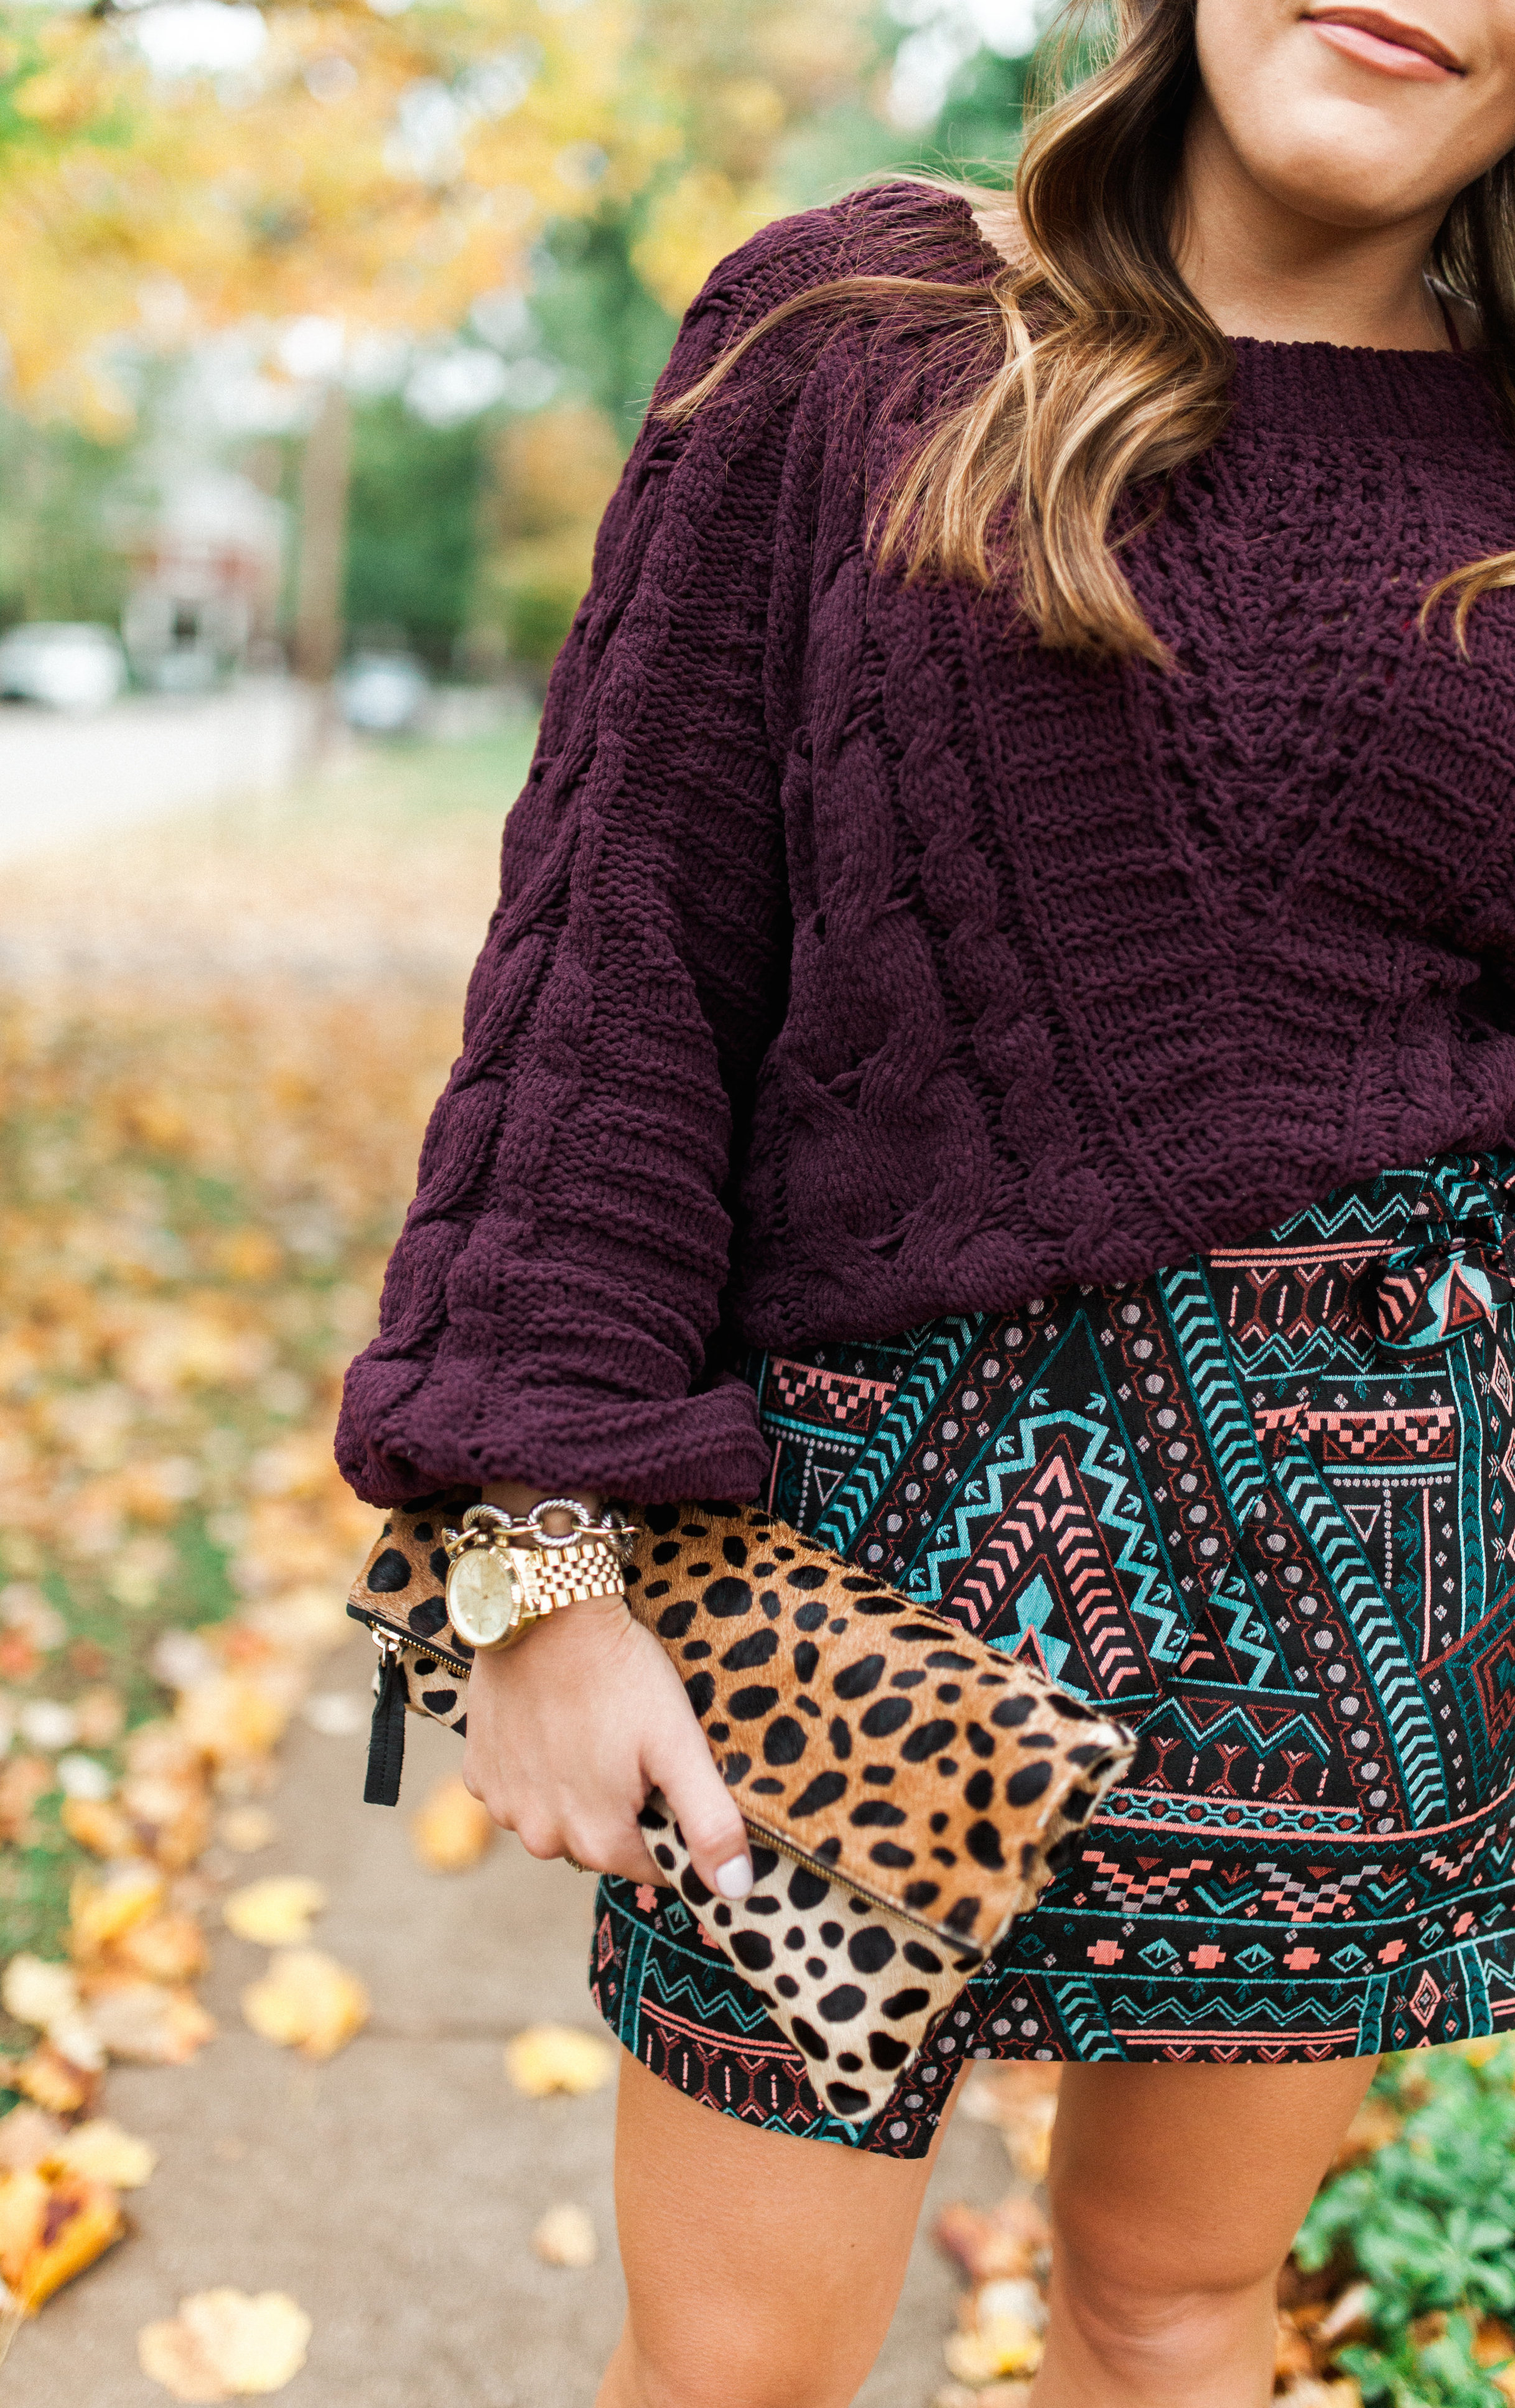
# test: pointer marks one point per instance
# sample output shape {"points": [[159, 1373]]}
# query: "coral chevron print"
{"points": [[1262, 1505]]}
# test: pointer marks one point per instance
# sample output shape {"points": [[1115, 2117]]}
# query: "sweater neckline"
{"points": [[1356, 390], [1335, 389]]}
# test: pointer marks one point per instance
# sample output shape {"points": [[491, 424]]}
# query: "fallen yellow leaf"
{"points": [[166, 1948], [99, 1825], [51, 2228], [255, 2344], [54, 2081], [306, 2000], [566, 2237], [1002, 2346], [103, 2153], [554, 2056], [37, 1992], [230, 1717], [172, 1811], [224, 2345], [24, 2209], [276, 1913], [147, 2023], [452, 1829], [102, 1910], [170, 2354], [247, 1828]]}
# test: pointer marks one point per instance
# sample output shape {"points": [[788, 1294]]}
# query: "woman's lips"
{"points": [[1373, 51]]}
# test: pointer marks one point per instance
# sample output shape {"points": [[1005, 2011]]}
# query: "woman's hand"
{"points": [[569, 1729]]}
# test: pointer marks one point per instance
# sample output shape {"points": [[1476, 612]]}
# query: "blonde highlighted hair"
{"points": [[1099, 371]]}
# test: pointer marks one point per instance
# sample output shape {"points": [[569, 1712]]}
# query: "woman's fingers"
{"points": [[607, 1849], [706, 1814], [628, 1857]]}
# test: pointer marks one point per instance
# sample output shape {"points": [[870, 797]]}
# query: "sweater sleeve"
{"points": [[548, 1306]]}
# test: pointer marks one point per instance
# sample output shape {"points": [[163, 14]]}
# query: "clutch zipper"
{"points": [[390, 1641], [395, 1643]]}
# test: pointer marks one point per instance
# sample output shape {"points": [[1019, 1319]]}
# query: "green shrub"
{"points": [[1429, 2223]]}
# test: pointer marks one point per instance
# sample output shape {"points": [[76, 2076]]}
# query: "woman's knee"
{"points": [[732, 2368], [1135, 2259], [1141, 2297]]}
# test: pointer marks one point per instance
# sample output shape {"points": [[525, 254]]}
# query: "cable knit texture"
{"points": [[859, 962]]}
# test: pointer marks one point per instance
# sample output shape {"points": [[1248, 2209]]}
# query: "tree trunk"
{"points": [[325, 470]]}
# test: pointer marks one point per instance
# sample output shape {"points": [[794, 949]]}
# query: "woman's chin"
{"points": [[1353, 177]]}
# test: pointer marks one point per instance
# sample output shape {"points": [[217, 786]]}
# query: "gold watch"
{"points": [[506, 1572]]}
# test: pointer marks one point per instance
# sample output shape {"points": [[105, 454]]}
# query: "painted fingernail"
{"points": [[734, 1879]]}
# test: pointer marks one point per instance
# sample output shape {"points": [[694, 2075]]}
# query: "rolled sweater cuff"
{"points": [[651, 1454]]}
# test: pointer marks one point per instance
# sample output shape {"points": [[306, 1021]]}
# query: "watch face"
{"points": [[484, 1596]]}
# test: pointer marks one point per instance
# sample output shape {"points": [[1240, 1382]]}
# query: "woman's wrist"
{"points": [[514, 1565]]}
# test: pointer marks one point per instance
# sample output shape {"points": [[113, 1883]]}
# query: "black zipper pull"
{"points": [[386, 1735]]}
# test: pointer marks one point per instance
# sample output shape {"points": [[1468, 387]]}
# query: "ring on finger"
{"points": [[575, 1862]]}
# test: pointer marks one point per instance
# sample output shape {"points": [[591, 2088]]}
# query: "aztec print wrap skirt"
{"points": [[1263, 1506]]}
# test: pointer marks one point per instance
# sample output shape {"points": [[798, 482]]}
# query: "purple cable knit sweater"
{"points": [[857, 962]]}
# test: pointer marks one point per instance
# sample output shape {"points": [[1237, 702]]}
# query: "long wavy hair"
{"points": [[1101, 374]]}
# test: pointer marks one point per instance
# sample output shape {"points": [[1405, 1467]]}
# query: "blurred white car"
{"points": [[384, 694], [67, 666]]}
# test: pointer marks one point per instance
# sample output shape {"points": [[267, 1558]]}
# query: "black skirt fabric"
{"points": [[1263, 1506]]}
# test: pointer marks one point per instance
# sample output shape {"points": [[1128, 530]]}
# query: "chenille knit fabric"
{"points": [[859, 962]]}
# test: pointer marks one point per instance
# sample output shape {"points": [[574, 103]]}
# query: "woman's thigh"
{"points": [[1199, 2171], [762, 2270], [1177, 2191]]}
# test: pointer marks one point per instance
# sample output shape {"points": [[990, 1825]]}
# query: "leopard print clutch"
{"points": [[903, 1784], [864, 1737]]}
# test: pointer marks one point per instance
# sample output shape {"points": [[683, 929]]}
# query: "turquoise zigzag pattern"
{"points": [[1234, 1593], [1475, 1590], [1212, 1378], [880, 1459], [1289, 2015], [1281, 1357], [1377, 1634], [1238, 1725], [738, 1999], [1352, 1213], [1083, 2019]]}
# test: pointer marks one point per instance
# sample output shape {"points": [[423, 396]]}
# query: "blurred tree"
{"points": [[163, 170], [340, 169], [553, 476], [325, 469], [57, 560], [414, 526], [598, 319], [978, 131]]}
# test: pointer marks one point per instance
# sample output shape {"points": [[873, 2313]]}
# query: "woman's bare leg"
{"points": [[1177, 2190], [763, 2270]]}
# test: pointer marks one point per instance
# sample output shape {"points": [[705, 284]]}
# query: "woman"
{"points": [[1028, 805]]}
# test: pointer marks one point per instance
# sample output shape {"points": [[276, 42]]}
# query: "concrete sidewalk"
{"points": [[64, 779], [392, 2192]]}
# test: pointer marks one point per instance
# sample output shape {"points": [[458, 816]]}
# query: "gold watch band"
{"points": [[506, 1572], [580, 1568]]}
